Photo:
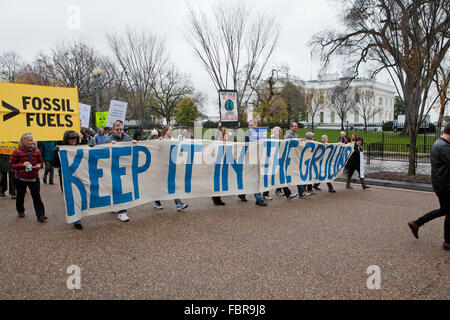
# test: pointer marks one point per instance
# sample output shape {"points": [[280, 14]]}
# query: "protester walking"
{"points": [[309, 187], [6, 177], [47, 149], [247, 134], [356, 162], [292, 134], [167, 135], [221, 135], [26, 162], [70, 138], [329, 185], [440, 180], [118, 135], [276, 135]]}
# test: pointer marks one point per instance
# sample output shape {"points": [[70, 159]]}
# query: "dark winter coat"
{"points": [[354, 162], [440, 163]]}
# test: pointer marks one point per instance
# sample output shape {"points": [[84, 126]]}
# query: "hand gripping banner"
{"points": [[124, 175]]}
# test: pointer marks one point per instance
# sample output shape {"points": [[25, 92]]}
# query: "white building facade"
{"points": [[383, 99]]}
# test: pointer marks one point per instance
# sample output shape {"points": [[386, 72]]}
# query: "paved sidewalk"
{"points": [[316, 248]]}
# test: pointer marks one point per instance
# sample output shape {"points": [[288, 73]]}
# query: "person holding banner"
{"points": [[247, 135], [118, 135], [329, 185], [167, 134], [70, 138], [26, 162], [221, 135], [292, 134], [356, 162]]}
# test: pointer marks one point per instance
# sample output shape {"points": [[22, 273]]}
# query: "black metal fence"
{"points": [[397, 152]]}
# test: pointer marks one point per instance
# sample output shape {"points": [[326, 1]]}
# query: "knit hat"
{"points": [[154, 132]]}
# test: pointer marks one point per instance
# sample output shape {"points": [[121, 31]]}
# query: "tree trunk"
{"points": [[412, 155]]}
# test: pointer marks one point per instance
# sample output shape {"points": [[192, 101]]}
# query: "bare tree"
{"points": [[407, 38], [294, 99], [342, 99], [442, 81], [141, 57], [170, 88], [365, 105], [314, 101], [233, 46], [11, 64]]}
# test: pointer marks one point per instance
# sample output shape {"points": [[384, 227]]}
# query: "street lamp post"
{"points": [[97, 72]]}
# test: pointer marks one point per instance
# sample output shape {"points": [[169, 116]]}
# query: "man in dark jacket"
{"points": [[118, 135], [440, 179], [6, 174]]}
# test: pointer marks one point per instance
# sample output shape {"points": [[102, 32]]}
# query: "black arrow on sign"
{"points": [[14, 111]]}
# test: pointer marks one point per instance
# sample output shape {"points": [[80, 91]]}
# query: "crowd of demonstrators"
{"points": [[167, 135], [6, 177], [26, 162], [440, 181]]}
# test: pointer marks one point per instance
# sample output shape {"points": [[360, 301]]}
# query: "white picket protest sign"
{"points": [[117, 111]]}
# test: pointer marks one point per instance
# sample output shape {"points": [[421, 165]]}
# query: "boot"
{"points": [[364, 185], [349, 179], [44, 178], [50, 180]]}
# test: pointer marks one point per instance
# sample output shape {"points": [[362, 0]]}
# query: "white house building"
{"points": [[383, 99]]}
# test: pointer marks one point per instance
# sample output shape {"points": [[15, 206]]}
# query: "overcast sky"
{"points": [[29, 27]]}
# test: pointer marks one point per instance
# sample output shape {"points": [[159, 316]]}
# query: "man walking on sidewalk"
{"points": [[440, 179]]}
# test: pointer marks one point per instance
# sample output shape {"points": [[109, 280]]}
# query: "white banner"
{"points": [[124, 175], [117, 111], [85, 114]]}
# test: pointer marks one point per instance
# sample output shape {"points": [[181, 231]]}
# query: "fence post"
{"points": [[368, 147]]}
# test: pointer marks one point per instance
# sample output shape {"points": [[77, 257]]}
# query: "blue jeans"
{"points": [[258, 197], [301, 190]]}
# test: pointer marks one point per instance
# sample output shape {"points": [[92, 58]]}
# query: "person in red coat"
{"points": [[26, 161]]}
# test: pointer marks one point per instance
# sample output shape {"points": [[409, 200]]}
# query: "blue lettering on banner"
{"points": [[228, 159], [268, 146], [304, 176], [95, 173], [69, 179], [116, 173], [314, 159], [217, 166], [190, 149], [136, 170], [172, 169], [292, 144], [329, 160]]}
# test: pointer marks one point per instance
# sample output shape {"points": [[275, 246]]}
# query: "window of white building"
{"points": [[333, 116]]}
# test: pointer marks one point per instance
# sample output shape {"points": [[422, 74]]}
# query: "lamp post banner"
{"points": [[119, 176]]}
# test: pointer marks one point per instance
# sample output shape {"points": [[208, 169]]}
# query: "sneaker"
{"points": [[331, 190], [181, 206], [279, 193], [157, 205], [261, 203], [305, 195], [42, 218], [123, 217], [316, 187], [21, 214], [292, 196], [267, 197], [414, 229], [78, 226]]}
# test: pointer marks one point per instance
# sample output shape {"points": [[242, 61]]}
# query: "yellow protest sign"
{"points": [[8, 147], [46, 112]]}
